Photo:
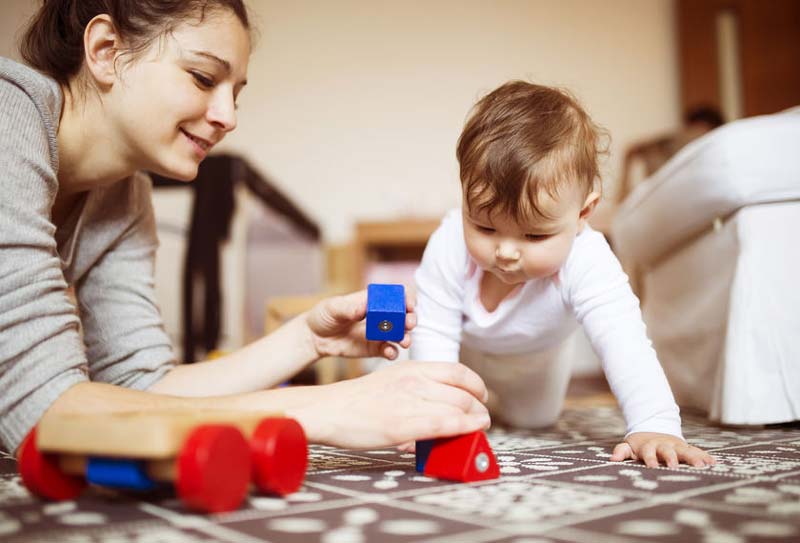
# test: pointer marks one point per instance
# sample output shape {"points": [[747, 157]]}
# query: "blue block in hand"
{"points": [[386, 312]]}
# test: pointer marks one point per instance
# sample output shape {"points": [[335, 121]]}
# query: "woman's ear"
{"points": [[101, 44]]}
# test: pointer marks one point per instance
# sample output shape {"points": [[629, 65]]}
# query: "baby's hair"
{"points": [[522, 139], [53, 42]]}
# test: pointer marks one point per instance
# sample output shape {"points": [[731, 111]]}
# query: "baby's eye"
{"points": [[484, 229], [536, 237], [202, 80]]}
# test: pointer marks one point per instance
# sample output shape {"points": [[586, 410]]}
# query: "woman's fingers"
{"points": [[411, 301], [443, 424], [348, 307], [457, 375], [389, 351], [411, 320], [409, 447], [406, 341], [445, 394]]}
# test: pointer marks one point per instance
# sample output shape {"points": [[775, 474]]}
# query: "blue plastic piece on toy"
{"points": [[386, 312], [118, 473], [423, 451]]}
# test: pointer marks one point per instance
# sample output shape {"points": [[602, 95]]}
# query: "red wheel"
{"points": [[42, 475], [280, 455], [214, 469]]}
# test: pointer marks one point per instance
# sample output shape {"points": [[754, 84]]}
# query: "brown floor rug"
{"points": [[556, 486]]}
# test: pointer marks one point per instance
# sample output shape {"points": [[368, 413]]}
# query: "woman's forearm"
{"points": [[401, 403], [93, 398], [262, 364]]}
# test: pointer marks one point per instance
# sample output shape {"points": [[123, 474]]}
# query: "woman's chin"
{"points": [[179, 172]]}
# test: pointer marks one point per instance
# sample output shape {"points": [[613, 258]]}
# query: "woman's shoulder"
{"points": [[42, 90], [30, 105]]}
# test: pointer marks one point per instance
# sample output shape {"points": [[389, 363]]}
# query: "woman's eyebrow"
{"points": [[205, 54], [226, 66]]}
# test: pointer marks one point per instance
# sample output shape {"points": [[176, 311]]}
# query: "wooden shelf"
{"points": [[403, 239]]}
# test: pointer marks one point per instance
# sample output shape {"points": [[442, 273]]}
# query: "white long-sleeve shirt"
{"points": [[590, 290]]}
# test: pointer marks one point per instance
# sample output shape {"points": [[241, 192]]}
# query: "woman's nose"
{"points": [[222, 112]]}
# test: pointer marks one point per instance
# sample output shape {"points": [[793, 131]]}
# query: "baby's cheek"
{"points": [[480, 252], [544, 264]]}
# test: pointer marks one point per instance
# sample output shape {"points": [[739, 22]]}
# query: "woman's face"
{"points": [[178, 100]]}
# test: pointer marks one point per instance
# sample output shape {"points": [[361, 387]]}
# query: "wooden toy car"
{"points": [[211, 457]]}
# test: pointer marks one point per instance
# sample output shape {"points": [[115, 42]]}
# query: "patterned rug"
{"points": [[556, 486]]}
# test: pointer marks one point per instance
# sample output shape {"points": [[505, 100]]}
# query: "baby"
{"points": [[507, 279]]}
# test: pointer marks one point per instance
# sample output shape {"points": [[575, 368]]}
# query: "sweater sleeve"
{"points": [[440, 294], [41, 353], [600, 295], [123, 331]]}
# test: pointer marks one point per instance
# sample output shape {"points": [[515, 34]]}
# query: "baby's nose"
{"points": [[507, 251]]}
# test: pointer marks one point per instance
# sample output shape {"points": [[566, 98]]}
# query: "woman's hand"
{"points": [[398, 404], [652, 447], [338, 328]]}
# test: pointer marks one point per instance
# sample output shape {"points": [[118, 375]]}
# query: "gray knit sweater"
{"points": [[103, 253]]}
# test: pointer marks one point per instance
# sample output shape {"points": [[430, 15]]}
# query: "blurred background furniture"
{"points": [[280, 309], [231, 240], [714, 236], [390, 251]]}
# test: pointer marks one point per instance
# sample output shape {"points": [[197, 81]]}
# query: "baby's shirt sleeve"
{"points": [[597, 289], [440, 293]]}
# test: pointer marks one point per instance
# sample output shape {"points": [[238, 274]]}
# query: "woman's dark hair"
{"points": [[53, 42]]}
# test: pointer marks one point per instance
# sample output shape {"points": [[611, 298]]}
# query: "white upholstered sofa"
{"points": [[714, 237]]}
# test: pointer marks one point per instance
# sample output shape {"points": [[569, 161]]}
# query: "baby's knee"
{"points": [[527, 419], [530, 421]]}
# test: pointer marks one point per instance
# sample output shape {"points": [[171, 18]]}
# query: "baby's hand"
{"points": [[651, 447]]}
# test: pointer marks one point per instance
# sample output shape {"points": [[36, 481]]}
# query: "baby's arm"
{"points": [[604, 304], [440, 292]]}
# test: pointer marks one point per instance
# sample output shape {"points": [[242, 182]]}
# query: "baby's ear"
{"points": [[588, 206]]}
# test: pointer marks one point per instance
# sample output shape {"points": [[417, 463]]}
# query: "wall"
{"points": [[354, 106]]}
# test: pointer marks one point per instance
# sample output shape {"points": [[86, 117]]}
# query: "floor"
{"points": [[556, 486]]}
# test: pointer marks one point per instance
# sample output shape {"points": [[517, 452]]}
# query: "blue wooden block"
{"points": [[423, 450], [386, 312], [118, 473]]}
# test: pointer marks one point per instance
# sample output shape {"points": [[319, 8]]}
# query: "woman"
{"points": [[151, 85]]}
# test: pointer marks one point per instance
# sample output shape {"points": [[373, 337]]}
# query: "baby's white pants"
{"points": [[525, 390]]}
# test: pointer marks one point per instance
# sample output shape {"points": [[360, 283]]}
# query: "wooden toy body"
{"points": [[153, 435]]}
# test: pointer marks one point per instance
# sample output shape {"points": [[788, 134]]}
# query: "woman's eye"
{"points": [[202, 80]]}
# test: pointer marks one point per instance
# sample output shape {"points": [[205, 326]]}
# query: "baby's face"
{"points": [[516, 252]]}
